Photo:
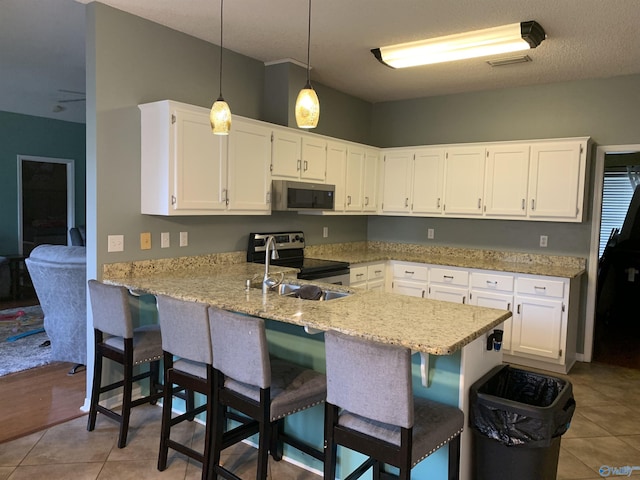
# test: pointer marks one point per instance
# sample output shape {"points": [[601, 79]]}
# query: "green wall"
{"points": [[41, 137]]}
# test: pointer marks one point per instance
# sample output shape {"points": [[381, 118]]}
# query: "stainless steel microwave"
{"points": [[287, 195]]}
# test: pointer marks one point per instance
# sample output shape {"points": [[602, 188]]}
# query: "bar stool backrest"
{"points": [[240, 346], [369, 379], [185, 329], [110, 308]]}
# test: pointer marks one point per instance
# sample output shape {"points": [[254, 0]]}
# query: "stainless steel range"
{"points": [[290, 247]]}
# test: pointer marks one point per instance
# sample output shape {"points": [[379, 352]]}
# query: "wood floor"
{"points": [[39, 398]]}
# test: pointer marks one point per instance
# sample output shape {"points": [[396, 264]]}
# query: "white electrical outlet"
{"points": [[430, 233], [115, 243], [543, 240], [165, 240], [325, 232], [184, 239]]}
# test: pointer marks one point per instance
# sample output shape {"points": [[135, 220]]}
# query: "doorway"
{"points": [[46, 196], [609, 338]]}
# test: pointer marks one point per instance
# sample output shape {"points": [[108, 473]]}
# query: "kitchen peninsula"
{"points": [[450, 338]]}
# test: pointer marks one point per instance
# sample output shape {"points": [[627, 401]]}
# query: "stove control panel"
{"points": [[284, 241]]}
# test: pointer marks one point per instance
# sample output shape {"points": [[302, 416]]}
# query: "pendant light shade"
{"points": [[220, 116], [307, 104]]}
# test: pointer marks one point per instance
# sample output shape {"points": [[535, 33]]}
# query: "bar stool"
{"points": [[185, 334], [264, 389], [371, 409], [123, 344]]}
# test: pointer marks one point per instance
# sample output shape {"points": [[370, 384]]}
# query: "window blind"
{"points": [[616, 197]]}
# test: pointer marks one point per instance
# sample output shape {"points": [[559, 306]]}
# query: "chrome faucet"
{"points": [[267, 281]]}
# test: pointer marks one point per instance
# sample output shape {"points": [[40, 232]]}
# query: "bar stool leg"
{"points": [[95, 387]]}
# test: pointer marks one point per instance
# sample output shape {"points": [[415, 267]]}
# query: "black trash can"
{"points": [[517, 418]]}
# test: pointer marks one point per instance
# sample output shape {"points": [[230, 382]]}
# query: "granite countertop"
{"points": [[514, 262], [424, 325]]}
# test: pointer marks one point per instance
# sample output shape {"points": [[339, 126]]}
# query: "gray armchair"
{"points": [[59, 275]]}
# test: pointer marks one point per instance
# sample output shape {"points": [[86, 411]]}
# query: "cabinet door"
{"points": [[370, 181], [396, 182], [537, 327], [200, 164], [336, 172], [556, 180], [501, 301], [507, 180], [286, 155], [249, 158], [428, 181], [409, 288], [314, 159], [464, 181], [448, 293], [354, 178]]}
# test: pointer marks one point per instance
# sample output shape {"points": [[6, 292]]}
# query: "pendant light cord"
{"points": [[221, 24], [309, 49]]}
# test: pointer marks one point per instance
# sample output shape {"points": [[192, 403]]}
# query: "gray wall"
{"points": [[131, 61]]}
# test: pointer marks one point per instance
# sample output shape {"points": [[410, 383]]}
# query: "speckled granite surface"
{"points": [[423, 325], [533, 264]]}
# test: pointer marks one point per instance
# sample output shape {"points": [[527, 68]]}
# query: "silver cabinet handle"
{"points": [[479, 203], [406, 202], [268, 197], [509, 306], [378, 271], [524, 204], [225, 196], [518, 309], [348, 199], [464, 300], [539, 288], [438, 203], [366, 200], [533, 204], [298, 165], [359, 274], [448, 277], [408, 272], [422, 293], [306, 165]]}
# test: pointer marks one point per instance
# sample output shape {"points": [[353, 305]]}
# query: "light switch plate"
{"points": [[544, 240], [145, 241], [325, 232], [165, 240], [430, 233], [115, 243]]}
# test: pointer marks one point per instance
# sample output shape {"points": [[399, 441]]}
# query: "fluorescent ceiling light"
{"points": [[479, 43]]}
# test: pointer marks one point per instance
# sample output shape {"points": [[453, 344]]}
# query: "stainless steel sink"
{"points": [[291, 289]]}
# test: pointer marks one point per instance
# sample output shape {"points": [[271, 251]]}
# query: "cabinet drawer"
{"points": [[449, 276], [503, 283], [375, 272], [357, 274], [540, 286], [410, 272]]}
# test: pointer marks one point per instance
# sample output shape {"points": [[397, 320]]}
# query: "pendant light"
{"points": [[220, 116], [307, 104]]}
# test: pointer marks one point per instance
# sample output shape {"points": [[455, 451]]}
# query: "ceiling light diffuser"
{"points": [[490, 41]]}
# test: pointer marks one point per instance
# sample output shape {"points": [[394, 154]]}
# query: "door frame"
{"points": [[71, 191], [596, 216]]}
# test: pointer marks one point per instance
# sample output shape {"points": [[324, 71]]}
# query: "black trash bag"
{"points": [[521, 408]]}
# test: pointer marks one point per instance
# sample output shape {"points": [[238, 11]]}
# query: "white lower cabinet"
{"points": [[449, 284], [543, 330], [368, 276]]}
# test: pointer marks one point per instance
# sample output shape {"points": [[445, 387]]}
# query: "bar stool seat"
{"points": [[263, 388], [371, 409], [116, 339]]}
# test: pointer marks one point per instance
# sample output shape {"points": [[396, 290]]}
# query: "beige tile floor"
{"points": [[605, 431]]}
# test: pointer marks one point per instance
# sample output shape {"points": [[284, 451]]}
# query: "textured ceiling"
{"points": [[42, 40]]}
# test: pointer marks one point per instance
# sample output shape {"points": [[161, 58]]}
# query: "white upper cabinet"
{"points": [[183, 165], [370, 180], [557, 180], [249, 162], [186, 170], [354, 179], [464, 181], [428, 181], [396, 186], [336, 172], [506, 182], [298, 156]]}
